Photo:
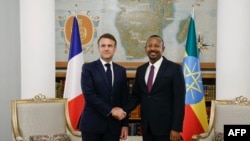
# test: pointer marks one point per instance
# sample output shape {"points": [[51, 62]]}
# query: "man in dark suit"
{"points": [[161, 93], [104, 87]]}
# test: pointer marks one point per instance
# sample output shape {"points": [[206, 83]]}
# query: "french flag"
{"points": [[72, 89]]}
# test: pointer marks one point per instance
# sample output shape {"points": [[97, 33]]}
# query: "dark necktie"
{"points": [[109, 74], [150, 78]]}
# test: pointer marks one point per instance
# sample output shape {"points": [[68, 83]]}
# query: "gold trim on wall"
{"points": [[134, 65], [131, 66]]}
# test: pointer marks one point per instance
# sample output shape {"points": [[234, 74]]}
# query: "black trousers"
{"points": [[149, 136]]}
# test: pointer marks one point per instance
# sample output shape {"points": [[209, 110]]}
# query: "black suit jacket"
{"points": [[100, 98], [163, 108]]}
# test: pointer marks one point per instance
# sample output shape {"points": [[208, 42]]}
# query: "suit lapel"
{"points": [[161, 71], [142, 74], [101, 70], [116, 74]]}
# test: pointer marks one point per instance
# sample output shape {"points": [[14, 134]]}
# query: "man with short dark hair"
{"points": [[104, 86], [160, 90]]}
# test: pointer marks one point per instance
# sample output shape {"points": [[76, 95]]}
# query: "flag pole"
{"points": [[76, 10], [192, 11]]}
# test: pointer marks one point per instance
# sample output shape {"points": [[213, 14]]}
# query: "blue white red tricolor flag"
{"points": [[72, 89], [195, 120]]}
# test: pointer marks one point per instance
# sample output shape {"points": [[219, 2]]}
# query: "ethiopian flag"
{"points": [[195, 120]]}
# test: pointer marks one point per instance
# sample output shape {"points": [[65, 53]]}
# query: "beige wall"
{"points": [[37, 24], [233, 48], [10, 74]]}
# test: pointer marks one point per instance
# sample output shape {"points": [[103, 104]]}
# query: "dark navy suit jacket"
{"points": [[100, 98], [163, 108]]}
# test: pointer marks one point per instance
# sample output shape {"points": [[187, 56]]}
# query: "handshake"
{"points": [[118, 113]]}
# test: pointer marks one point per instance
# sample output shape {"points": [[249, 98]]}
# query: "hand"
{"points": [[175, 136], [118, 113], [124, 133]]}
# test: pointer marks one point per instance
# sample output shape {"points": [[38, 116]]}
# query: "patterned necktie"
{"points": [[150, 78], [109, 74]]}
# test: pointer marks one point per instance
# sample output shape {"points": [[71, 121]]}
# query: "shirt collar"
{"points": [[157, 63], [103, 62]]}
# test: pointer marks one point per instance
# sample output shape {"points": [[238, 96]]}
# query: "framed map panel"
{"points": [[132, 22]]}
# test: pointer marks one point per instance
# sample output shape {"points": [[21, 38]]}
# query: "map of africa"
{"points": [[132, 22]]}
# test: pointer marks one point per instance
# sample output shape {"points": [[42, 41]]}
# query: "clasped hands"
{"points": [[118, 113]]}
